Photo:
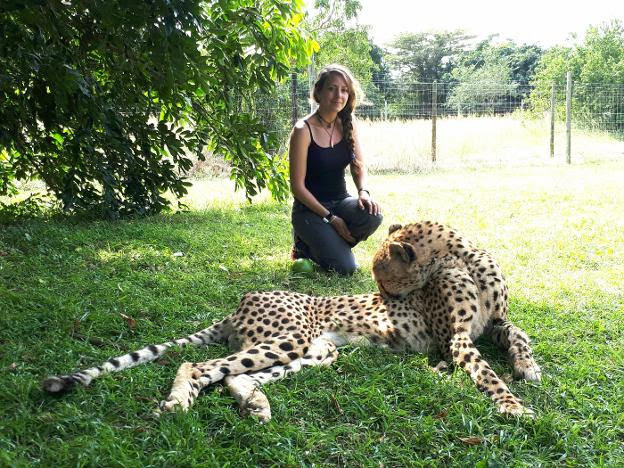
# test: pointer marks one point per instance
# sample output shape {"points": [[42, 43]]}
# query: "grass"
{"points": [[479, 142], [74, 293]]}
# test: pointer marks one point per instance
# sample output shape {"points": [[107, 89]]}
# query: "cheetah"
{"points": [[465, 296], [274, 334]]}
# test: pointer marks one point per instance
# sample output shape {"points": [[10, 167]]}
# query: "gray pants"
{"points": [[326, 247]]}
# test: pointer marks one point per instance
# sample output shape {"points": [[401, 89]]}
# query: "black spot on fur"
{"points": [[286, 346], [247, 362]]}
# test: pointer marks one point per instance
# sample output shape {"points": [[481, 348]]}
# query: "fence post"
{"points": [[434, 115], [311, 79], [553, 103], [293, 97], [569, 117]]}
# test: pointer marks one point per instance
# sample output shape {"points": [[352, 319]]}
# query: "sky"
{"points": [[542, 22]]}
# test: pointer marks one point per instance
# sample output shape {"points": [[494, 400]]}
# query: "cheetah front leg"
{"points": [[467, 356], [245, 388], [513, 339], [192, 377], [455, 289]]}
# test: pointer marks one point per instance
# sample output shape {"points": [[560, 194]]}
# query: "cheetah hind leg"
{"points": [[245, 388], [516, 342], [193, 377]]}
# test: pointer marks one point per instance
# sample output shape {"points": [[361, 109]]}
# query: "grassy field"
{"points": [[75, 293], [479, 142]]}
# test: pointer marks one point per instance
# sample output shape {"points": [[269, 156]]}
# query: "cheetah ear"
{"points": [[403, 251], [394, 227]]}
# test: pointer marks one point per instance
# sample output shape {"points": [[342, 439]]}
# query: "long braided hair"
{"points": [[355, 95]]}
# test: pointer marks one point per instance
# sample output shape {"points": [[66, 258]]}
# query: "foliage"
{"points": [[340, 41], [426, 57], [520, 59], [417, 58], [350, 47], [482, 88], [598, 60], [105, 101]]}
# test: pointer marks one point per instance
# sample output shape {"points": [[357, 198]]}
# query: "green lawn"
{"points": [[74, 293]]}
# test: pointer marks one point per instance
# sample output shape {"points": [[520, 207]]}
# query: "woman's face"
{"points": [[334, 94]]}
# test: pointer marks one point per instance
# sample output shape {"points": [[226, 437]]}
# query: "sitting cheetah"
{"points": [[277, 333], [465, 296]]}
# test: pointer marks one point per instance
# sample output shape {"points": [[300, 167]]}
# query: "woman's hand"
{"points": [[366, 203], [341, 228]]}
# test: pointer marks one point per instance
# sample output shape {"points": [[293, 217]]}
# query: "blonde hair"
{"points": [[355, 95]]}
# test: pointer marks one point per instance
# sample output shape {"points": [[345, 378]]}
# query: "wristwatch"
{"points": [[327, 219]]}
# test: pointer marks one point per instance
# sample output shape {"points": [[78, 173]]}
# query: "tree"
{"points": [[339, 40], [490, 77], [595, 64], [104, 101], [521, 59], [426, 57], [482, 89]]}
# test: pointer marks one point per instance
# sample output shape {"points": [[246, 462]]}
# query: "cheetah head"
{"points": [[397, 265]]}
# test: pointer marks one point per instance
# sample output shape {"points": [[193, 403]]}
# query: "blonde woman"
{"points": [[328, 221]]}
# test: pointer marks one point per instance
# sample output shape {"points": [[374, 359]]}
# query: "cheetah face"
{"points": [[396, 269]]}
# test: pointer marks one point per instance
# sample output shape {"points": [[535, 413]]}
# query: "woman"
{"points": [[327, 221]]}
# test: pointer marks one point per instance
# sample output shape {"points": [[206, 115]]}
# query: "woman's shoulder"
{"points": [[300, 132], [301, 127]]}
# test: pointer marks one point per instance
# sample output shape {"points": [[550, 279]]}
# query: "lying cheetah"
{"points": [[465, 296], [277, 333]]}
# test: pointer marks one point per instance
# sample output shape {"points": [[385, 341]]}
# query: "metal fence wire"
{"points": [[593, 107]]}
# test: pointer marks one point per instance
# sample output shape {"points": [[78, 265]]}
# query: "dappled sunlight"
{"points": [[218, 192]]}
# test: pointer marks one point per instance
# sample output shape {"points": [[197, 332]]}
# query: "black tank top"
{"points": [[325, 170]]}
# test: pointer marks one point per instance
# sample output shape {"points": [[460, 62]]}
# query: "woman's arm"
{"points": [[359, 174], [298, 156]]}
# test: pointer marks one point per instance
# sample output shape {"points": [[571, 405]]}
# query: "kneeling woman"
{"points": [[327, 221]]}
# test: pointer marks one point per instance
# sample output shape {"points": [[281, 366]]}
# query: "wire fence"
{"points": [[412, 126]]}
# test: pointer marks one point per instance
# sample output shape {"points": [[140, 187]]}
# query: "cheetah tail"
{"points": [[216, 333]]}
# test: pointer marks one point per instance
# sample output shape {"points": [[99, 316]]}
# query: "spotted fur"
{"points": [[464, 296], [277, 333]]}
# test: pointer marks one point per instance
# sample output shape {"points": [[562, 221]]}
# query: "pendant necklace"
{"points": [[325, 125]]}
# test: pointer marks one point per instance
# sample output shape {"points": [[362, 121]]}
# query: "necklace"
{"points": [[323, 121], [325, 125]]}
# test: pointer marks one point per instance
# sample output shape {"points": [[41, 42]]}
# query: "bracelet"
{"points": [[363, 190], [328, 218]]}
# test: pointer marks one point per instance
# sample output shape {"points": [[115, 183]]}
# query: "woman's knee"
{"points": [[369, 226], [344, 266]]}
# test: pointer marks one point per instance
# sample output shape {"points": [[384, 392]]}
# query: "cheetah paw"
{"points": [[515, 409], [257, 405], [441, 368], [527, 370], [251, 400], [173, 404]]}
